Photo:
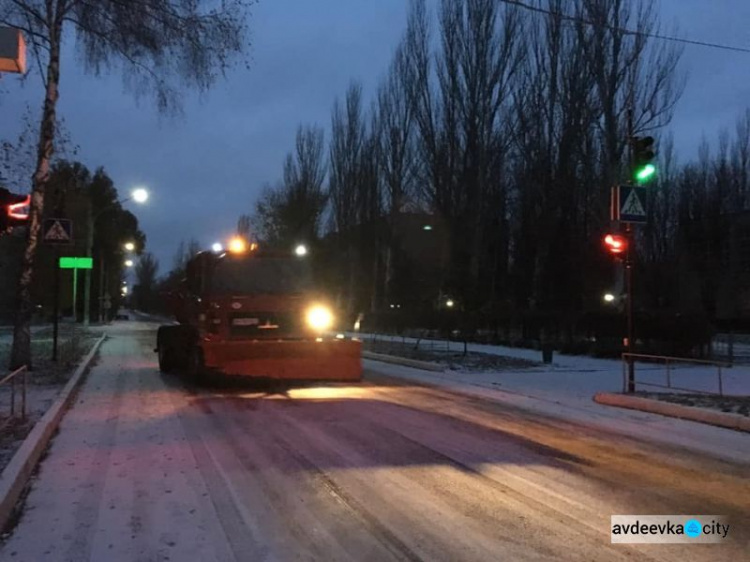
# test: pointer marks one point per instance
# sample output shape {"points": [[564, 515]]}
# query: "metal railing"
{"points": [[11, 379], [668, 363]]}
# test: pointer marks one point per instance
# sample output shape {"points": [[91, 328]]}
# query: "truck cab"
{"points": [[255, 314]]}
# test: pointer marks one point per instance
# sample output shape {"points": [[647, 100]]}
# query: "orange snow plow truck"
{"points": [[255, 314]]}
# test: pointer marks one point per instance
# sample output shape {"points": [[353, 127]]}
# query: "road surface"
{"points": [[148, 468]]}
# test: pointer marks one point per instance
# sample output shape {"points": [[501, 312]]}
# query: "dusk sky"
{"points": [[208, 167]]}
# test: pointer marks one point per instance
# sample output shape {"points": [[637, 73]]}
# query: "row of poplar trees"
{"points": [[507, 123]]}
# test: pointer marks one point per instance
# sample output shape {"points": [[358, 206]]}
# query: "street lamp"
{"points": [[140, 196], [450, 303], [609, 297], [301, 250], [217, 248], [128, 263]]}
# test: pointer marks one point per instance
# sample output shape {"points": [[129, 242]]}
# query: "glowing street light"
{"points": [[129, 246], [217, 247], [140, 195], [128, 263], [301, 250], [609, 297], [450, 303]]}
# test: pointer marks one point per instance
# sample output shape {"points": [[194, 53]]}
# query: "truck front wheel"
{"points": [[168, 339], [195, 364], [166, 354]]}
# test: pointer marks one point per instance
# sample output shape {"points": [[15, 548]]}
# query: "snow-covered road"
{"points": [[146, 468]]}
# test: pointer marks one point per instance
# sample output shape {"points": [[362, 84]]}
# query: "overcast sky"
{"points": [[206, 168]]}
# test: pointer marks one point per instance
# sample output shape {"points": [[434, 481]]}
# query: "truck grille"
{"points": [[264, 325]]}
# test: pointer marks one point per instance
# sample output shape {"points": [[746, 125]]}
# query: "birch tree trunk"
{"points": [[21, 353]]}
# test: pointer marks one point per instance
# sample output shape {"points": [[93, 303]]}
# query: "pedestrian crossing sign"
{"points": [[58, 231], [630, 203]]}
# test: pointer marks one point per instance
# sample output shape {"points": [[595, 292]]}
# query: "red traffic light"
{"points": [[616, 244]]}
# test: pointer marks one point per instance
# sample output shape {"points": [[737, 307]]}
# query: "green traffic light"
{"points": [[645, 173]]}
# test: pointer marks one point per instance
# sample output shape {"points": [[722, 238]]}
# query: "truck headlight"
{"points": [[319, 317]]}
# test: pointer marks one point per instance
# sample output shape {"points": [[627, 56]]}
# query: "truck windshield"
{"points": [[261, 276]]}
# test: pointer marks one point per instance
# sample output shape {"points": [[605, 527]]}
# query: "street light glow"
{"points": [[216, 248], [128, 263], [449, 303], [609, 297], [301, 250], [129, 246], [140, 195]]}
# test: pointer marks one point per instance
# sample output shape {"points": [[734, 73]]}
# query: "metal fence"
{"points": [[10, 379], [733, 348], [670, 364], [425, 340]]}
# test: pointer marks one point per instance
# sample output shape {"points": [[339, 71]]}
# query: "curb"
{"points": [[14, 478], [413, 363], [702, 415]]}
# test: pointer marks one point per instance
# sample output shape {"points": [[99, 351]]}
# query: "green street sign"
{"points": [[76, 263]]}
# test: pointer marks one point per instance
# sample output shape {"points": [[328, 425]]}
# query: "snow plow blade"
{"points": [[329, 360]]}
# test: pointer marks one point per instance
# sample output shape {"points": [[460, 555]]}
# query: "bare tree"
{"points": [[304, 174], [18, 158], [393, 131], [631, 72], [146, 271], [244, 225], [185, 252], [347, 146], [290, 213], [348, 132], [554, 119], [267, 216], [461, 104], [164, 45]]}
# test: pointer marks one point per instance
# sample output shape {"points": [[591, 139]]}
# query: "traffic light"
{"points": [[14, 209], [643, 156], [616, 244]]}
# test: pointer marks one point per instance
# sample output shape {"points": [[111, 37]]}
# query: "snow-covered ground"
{"points": [[147, 468], [576, 377], [566, 389]]}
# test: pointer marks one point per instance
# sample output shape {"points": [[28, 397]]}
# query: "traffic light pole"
{"points": [[629, 263], [629, 289]]}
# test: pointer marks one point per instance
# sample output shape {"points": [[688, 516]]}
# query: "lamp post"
{"points": [[140, 196]]}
